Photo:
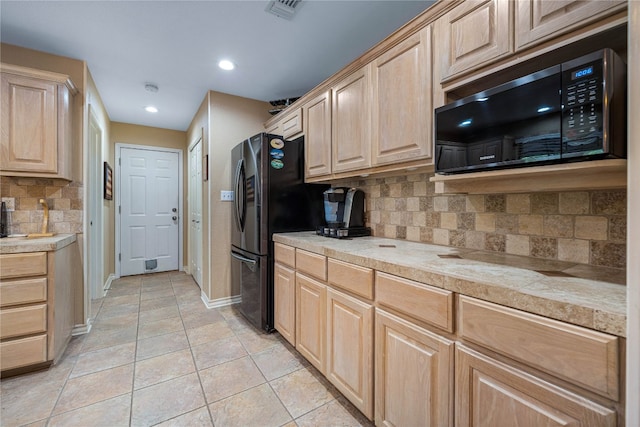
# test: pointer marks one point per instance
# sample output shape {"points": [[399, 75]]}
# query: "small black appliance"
{"points": [[344, 213]]}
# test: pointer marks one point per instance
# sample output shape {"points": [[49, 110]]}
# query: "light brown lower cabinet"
{"points": [[495, 366], [350, 348], [413, 374], [284, 288], [36, 306], [490, 393], [311, 312]]}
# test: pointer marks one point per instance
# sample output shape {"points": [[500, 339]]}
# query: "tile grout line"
{"points": [[135, 356], [193, 359]]}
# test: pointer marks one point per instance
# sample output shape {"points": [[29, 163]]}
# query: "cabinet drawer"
{"points": [[353, 278], [285, 254], [23, 352], [423, 302], [492, 393], [23, 291], [579, 355], [21, 265], [292, 124], [23, 320], [312, 264]]}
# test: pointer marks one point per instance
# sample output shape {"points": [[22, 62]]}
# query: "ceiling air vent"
{"points": [[283, 8]]}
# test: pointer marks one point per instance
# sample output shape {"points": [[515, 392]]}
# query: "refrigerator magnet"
{"points": [[276, 153], [277, 164], [276, 143]]}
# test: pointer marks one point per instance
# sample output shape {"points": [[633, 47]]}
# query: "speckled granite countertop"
{"points": [[588, 296], [16, 245]]}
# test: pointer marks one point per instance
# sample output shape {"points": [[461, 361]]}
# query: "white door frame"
{"points": [[116, 189], [95, 228], [198, 140]]}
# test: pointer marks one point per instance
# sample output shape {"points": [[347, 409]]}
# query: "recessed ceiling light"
{"points": [[225, 64], [151, 109]]}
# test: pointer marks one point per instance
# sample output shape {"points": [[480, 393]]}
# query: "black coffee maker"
{"points": [[344, 213]]}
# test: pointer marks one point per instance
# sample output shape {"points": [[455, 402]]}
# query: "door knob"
{"points": [[174, 210], [174, 218]]}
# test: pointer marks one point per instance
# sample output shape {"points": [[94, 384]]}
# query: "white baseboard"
{"points": [[81, 329], [107, 284], [220, 302]]}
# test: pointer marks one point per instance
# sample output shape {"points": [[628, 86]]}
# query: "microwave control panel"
{"points": [[582, 107]]}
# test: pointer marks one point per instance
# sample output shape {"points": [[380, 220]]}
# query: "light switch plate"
{"points": [[226, 196], [10, 202]]}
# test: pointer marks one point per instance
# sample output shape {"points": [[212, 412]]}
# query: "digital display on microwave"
{"points": [[583, 72]]}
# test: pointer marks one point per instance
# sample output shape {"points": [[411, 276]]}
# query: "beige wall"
{"points": [[226, 121], [17, 55], [149, 136]]}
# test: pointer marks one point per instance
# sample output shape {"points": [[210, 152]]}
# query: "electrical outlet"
{"points": [[10, 203], [226, 196]]}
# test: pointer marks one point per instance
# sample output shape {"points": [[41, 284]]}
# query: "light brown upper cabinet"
{"points": [[538, 20], [475, 33], [317, 130], [36, 123], [275, 128], [401, 107], [351, 121], [292, 124]]}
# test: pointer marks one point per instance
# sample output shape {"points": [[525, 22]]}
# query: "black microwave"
{"points": [[568, 112]]}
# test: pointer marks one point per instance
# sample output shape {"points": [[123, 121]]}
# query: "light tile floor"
{"points": [[157, 356]]}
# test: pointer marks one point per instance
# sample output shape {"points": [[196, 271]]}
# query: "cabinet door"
{"points": [[275, 129], [292, 124], [311, 311], [317, 124], [350, 115], [401, 107], [23, 352], [537, 20], [350, 349], [490, 393], [414, 375], [284, 301], [29, 125], [473, 34]]}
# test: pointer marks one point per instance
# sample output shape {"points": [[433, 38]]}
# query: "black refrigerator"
{"points": [[270, 197]]}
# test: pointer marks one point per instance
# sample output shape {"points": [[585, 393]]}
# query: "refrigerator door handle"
{"points": [[241, 199], [250, 263]]}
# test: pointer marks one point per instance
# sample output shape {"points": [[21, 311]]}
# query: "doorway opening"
{"points": [[149, 201]]}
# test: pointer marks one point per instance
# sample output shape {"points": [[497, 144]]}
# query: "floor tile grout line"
{"points": [[135, 357], [195, 366]]}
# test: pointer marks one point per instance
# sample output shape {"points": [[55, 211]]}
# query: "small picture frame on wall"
{"points": [[108, 182]]}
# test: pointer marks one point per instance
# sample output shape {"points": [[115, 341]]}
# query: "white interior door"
{"points": [[195, 212], [149, 210]]}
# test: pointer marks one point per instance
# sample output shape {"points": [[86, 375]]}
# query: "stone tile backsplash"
{"points": [[585, 227], [64, 200]]}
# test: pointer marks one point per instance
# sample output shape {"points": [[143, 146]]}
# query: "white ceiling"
{"points": [[177, 44]]}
